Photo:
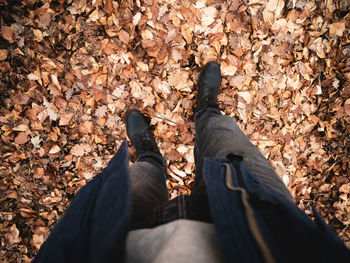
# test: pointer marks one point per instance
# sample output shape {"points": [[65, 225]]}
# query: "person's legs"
{"points": [[218, 136]]}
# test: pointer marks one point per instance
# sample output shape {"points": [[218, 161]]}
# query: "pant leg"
{"points": [[217, 136], [148, 188]]}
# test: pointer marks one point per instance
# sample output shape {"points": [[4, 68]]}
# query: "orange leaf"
{"points": [[108, 6], [21, 138]]}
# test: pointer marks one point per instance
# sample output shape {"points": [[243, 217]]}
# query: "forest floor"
{"points": [[70, 69]]}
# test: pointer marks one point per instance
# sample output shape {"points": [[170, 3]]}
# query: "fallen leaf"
{"points": [[86, 127], [7, 33], [3, 54], [21, 138], [38, 35], [65, 118], [39, 236], [80, 149], [123, 36], [101, 111], [108, 6], [51, 110], [21, 127], [136, 18], [21, 99], [39, 172], [54, 149], [12, 235], [337, 29]]}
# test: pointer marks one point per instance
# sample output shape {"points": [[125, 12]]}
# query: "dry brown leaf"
{"points": [[38, 35], [123, 36], [86, 127], [65, 118], [337, 29], [12, 235], [7, 33], [21, 138], [39, 172], [21, 99], [21, 127], [39, 236], [108, 6], [3, 54]]}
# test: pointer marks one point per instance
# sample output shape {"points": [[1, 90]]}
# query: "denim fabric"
{"points": [[94, 227], [288, 233], [148, 187]]}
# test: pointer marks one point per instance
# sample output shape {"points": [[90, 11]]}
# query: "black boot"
{"points": [[209, 83], [140, 133]]}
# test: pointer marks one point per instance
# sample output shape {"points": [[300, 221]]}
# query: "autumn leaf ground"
{"points": [[70, 70]]}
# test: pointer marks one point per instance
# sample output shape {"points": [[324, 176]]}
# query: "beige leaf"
{"points": [[123, 36], [54, 149], [147, 96], [80, 150], [135, 89], [246, 96], [112, 121], [38, 35], [51, 110], [136, 19], [39, 236], [36, 141], [12, 235], [101, 111], [337, 29], [146, 34], [32, 76], [21, 127], [209, 14], [345, 188], [182, 149], [227, 69], [179, 79], [65, 118]]}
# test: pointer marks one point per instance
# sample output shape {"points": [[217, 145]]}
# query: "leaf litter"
{"points": [[70, 70]]}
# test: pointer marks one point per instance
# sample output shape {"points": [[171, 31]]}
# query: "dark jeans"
{"points": [[216, 136]]}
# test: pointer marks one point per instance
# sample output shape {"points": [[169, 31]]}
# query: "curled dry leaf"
{"points": [[3, 54], [12, 235], [39, 236], [38, 35], [54, 149]]}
